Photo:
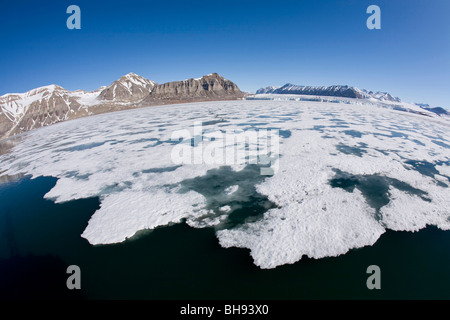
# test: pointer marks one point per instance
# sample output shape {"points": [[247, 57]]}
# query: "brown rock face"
{"points": [[5, 125], [209, 86]]}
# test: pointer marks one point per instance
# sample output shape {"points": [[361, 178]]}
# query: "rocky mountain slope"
{"points": [[130, 87], [51, 104], [209, 86], [41, 107]]}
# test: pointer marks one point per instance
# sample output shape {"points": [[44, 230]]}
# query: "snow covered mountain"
{"points": [[269, 89], [20, 112], [130, 87], [381, 96], [341, 91], [331, 91], [437, 110], [41, 107], [334, 91]]}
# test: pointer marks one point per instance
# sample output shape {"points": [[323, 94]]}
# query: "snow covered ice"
{"points": [[346, 173]]}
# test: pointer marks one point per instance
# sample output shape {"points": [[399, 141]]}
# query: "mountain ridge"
{"points": [[345, 91], [20, 112], [130, 87]]}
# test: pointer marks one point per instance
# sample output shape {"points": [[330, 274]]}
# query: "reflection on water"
{"points": [[6, 146], [4, 178]]}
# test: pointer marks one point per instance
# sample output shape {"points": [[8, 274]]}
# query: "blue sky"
{"points": [[253, 43]]}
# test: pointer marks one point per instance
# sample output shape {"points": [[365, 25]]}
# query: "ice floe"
{"points": [[345, 173]]}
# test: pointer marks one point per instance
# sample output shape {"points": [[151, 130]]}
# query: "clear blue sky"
{"points": [[253, 43]]}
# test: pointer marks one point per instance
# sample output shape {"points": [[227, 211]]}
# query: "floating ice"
{"points": [[346, 173]]}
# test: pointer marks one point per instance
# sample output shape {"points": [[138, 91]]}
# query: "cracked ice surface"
{"points": [[124, 158]]}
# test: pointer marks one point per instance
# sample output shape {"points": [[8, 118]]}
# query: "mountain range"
{"points": [[331, 91], [20, 112], [345, 91], [51, 104]]}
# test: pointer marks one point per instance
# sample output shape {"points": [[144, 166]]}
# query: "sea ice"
{"points": [[124, 158]]}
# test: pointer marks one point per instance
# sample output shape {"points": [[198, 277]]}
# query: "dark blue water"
{"points": [[39, 239]]}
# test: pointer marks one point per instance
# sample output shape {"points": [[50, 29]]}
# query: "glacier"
{"points": [[319, 203]]}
